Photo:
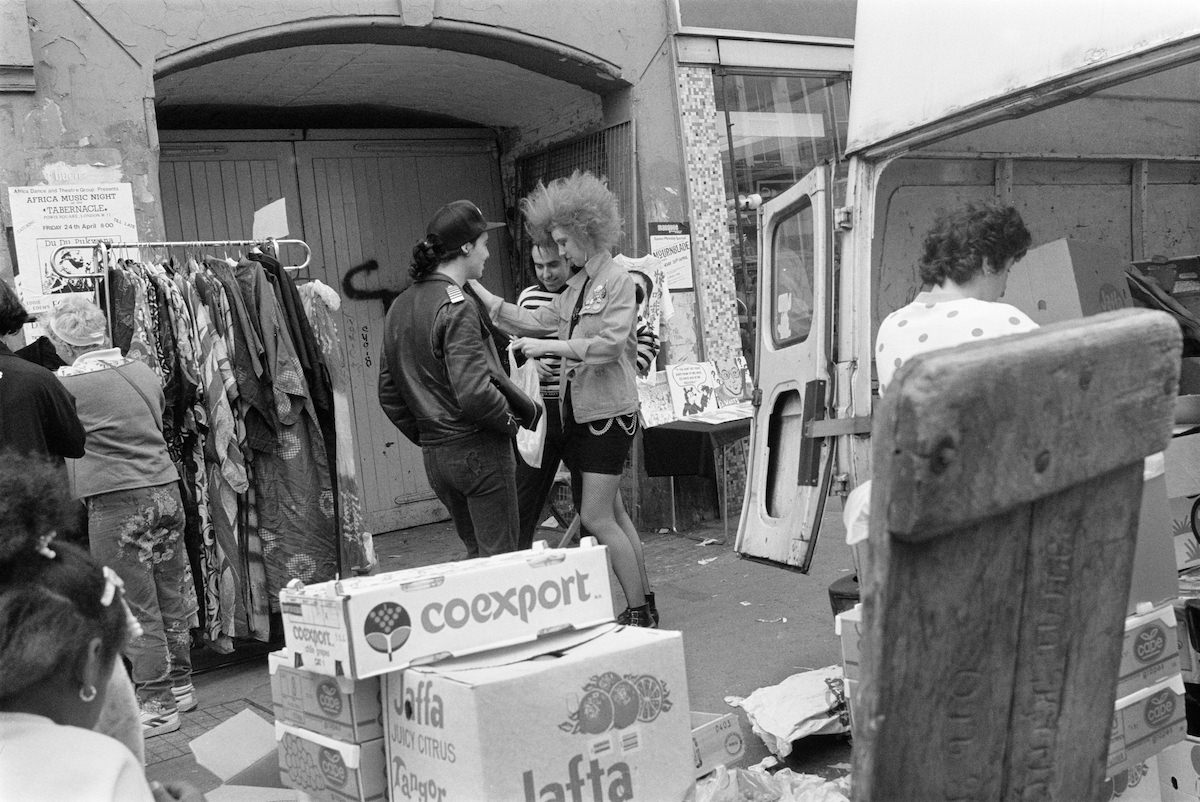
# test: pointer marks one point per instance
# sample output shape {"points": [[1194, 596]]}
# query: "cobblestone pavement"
{"points": [[745, 625]]}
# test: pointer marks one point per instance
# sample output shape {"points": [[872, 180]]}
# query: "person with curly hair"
{"points": [[135, 514], [967, 256], [37, 414], [63, 625], [595, 324], [442, 385], [964, 268]]}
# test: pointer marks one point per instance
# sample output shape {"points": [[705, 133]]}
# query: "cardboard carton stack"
{"points": [[497, 678]]}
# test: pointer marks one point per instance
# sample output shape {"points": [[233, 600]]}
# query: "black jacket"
{"points": [[37, 414], [437, 366]]}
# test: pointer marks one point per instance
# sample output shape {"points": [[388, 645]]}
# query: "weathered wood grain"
{"points": [[1008, 475], [965, 449]]}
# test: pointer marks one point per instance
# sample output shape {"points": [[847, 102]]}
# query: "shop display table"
{"points": [[685, 447]]}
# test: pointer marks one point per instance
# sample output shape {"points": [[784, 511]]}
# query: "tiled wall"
{"points": [[712, 248], [712, 253]]}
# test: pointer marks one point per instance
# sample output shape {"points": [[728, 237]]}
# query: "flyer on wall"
{"points": [[672, 244], [47, 218]]}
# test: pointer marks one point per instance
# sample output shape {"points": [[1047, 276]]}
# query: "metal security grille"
{"points": [[607, 153]]}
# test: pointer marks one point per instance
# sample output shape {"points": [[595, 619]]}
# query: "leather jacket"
{"points": [[437, 366]]}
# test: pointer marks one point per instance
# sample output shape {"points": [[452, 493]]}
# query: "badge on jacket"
{"points": [[595, 299], [456, 294]]}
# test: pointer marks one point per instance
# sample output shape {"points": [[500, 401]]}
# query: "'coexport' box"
{"points": [[366, 626]]}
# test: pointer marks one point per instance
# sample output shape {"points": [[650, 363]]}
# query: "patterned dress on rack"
{"points": [[358, 548]]}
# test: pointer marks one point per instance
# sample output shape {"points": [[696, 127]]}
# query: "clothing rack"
{"points": [[100, 258], [102, 247]]}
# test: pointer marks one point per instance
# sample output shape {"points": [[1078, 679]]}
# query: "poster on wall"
{"points": [[48, 218], [672, 244]]}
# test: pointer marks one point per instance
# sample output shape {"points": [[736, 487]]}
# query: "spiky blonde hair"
{"points": [[581, 205]]}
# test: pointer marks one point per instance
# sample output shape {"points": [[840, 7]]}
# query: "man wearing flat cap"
{"points": [[442, 385]]}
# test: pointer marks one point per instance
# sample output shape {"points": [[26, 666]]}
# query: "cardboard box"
{"points": [[1187, 638], [1154, 578], [1149, 650], [1067, 279], [1138, 783], [240, 751], [717, 740], [601, 714], [328, 769], [1179, 771], [366, 626], [1187, 547], [848, 626], [347, 709], [1145, 723], [1183, 466]]}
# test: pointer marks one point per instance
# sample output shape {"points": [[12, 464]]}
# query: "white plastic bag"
{"points": [[808, 703], [529, 443]]}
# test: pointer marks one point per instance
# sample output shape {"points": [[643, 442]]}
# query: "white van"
{"points": [[1085, 116]]}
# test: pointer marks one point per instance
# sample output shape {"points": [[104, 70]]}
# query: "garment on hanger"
{"points": [[320, 304], [242, 428]]}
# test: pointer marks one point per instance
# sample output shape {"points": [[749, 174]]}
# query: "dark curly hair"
{"points": [[12, 313], [50, 606], [428, 254], [980, 236]]}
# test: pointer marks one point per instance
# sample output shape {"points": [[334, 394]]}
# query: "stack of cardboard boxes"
{"points": [[497, 678]]}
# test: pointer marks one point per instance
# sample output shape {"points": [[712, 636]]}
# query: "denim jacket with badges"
{"points": [[601, 374]]}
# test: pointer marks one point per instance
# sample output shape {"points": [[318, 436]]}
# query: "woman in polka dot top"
{"points": [[968, 254], [964, 270]]}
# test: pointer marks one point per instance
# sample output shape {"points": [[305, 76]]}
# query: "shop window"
{"points": [[777, 129]]}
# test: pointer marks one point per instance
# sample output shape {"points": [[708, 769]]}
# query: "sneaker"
{"points": [[157, 719], [185, 697]]}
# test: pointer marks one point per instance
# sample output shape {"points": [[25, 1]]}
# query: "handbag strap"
{"points": [[578, 307], [140, 392]]}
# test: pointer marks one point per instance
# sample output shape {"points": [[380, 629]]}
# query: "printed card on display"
{"points": [[654, 394], [735, 384], [693, 387]]}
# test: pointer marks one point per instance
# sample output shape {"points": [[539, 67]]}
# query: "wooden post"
{"points": [[1007, 486]]}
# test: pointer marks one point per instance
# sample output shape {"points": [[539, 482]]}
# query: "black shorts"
{"points": [[600, 446]]}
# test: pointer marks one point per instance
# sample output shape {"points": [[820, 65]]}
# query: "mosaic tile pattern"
{"points": [[712, 249]]}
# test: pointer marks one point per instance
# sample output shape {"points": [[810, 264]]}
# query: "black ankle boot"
{"points": [[636, 617], [653, 609]]}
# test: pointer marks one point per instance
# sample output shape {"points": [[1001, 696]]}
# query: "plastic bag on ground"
{"points": [[808, 703], [757, 785]]}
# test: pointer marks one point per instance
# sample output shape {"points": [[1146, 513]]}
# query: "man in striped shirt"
{"points": [[533, 484]]}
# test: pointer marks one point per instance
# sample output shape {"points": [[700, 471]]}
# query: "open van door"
{"points": [[789, 468]]}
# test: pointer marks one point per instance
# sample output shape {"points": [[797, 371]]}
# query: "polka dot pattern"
{"points": [[915, 329]]}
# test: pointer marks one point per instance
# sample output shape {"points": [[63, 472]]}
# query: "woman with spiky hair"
{"points": [[595, 323]]}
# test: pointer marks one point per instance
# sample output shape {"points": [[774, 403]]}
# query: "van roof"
{"points": [[925, 70]]}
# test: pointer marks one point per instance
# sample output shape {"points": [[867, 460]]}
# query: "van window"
{"points": [[792, 277]]}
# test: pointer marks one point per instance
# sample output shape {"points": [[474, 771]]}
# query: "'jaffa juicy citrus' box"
{"points": [[328, 769], [366, 626], [597, 715], [340, 707]]}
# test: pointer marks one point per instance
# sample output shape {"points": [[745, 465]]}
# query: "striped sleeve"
{"points": [[534, 298], [647, 347]]}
